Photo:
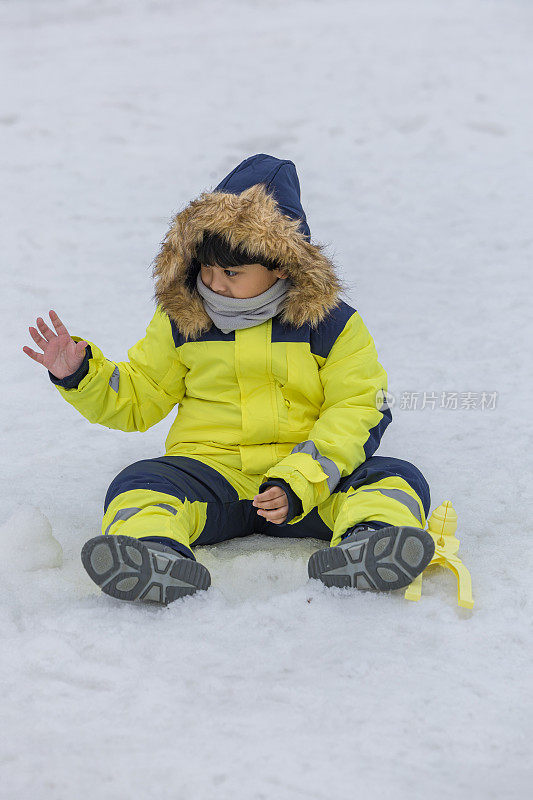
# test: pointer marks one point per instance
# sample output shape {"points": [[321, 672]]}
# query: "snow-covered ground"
{"points": [[410, 125]]}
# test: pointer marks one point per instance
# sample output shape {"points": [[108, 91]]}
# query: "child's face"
{"points": [[247, 280]]}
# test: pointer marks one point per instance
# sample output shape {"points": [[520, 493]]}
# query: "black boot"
{"points": [[368, 558], [146, 571]]}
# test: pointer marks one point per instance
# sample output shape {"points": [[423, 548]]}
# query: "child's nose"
{"points": [[217, 285]]}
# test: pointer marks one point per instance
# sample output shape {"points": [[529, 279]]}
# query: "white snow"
{"points": [[28, 537], [410, 126]]}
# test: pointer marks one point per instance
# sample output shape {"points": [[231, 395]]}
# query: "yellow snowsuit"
{"points": [[297, 401]]}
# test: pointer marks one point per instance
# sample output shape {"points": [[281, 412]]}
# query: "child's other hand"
{"points": [[273, 504]]}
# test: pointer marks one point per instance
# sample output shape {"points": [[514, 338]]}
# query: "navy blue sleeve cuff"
{"points": [[295, 504], [72, 381]]}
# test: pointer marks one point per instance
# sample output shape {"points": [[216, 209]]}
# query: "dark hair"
{"points": [[214, 249]]}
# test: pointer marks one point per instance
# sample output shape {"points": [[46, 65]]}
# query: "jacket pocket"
{"points": [[302, 392], [310, 468]]}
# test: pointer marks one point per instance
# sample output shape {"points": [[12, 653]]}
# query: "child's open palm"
{"points": [[61, 354]]}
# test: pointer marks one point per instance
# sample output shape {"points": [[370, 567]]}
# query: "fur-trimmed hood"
{"points": [[258, 207]]}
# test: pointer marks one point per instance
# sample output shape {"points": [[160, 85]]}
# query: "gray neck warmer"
{"points": [[233, 313]]}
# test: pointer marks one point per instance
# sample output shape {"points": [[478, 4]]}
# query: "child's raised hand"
{"points": [[273, 504], [61, 354]]}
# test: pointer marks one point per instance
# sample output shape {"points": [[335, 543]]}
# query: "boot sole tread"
{"points": [[377, 560], [125, 568]]}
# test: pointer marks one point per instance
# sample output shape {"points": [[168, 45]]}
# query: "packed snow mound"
{"points": [[27, 542]]}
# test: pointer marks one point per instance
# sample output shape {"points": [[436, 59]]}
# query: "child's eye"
{"points": [[230, 273]]}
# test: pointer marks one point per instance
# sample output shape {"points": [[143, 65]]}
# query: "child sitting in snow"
{"points": [[282, 405]]}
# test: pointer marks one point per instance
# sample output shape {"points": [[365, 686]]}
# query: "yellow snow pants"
{"points": [[201, 501]]}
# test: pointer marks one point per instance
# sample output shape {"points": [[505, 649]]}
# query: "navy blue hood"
{"points": [[281, 180]]}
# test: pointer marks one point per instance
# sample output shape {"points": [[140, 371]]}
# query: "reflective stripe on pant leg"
{"points": [[391, 500], [143, 512], [402, 497], [126, 513], [122, 513]]}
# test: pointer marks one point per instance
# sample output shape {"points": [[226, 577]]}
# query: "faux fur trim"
{"points": [[253, 219]]}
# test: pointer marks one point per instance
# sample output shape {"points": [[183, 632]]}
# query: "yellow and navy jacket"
{"points": [[299, 398]]}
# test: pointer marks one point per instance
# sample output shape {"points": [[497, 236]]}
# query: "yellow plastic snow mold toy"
{"points": [[442, 525]]}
